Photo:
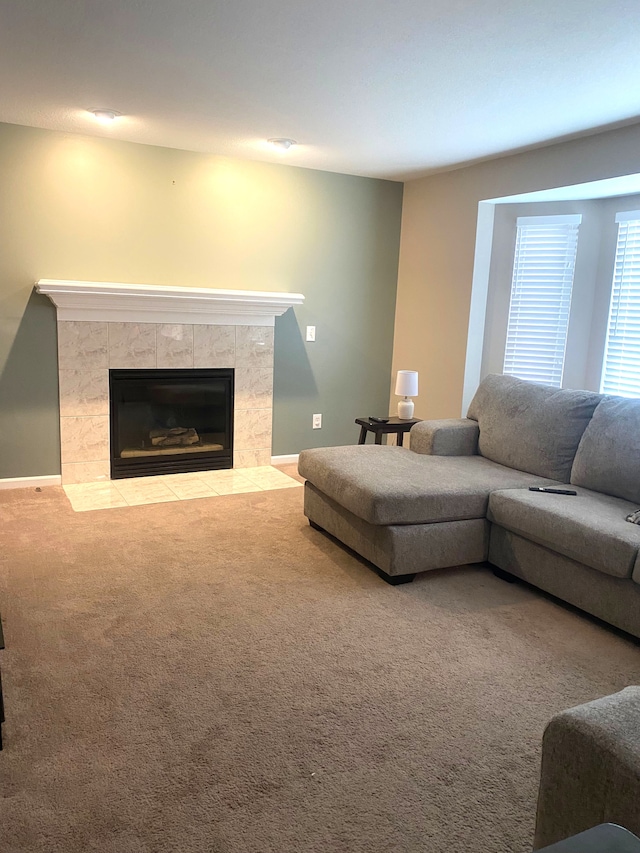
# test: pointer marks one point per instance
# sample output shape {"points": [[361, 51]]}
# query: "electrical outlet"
{"points": [[317, 421], [311, 333]]}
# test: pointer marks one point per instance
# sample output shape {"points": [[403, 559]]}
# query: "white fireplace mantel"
{"points": [[147, 303]]}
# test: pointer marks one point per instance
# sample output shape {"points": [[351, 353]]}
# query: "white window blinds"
{"points": [[541, 297], [621, 367]]}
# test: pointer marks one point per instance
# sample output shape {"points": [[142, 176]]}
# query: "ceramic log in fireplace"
{"points": [[170, 421]]}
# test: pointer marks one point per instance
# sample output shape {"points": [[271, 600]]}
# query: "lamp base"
{"points": [[405, 409]]}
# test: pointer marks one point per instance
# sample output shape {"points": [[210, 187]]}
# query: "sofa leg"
{"points": [[393, 580], [315, 526], [504, 576]]}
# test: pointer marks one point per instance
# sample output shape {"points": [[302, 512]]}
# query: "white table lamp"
{"points": [[406, 387]]}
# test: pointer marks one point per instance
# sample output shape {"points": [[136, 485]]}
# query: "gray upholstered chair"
{"points": [[591, 768]]}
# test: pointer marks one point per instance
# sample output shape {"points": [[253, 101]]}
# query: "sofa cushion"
{"points": [[393, 485], [590, 528], [608, 457], [531, 427]]}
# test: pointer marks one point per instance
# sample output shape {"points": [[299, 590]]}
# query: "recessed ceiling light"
{"points": [[105, 116], [282, 142]]}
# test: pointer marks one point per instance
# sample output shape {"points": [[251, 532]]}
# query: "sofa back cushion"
{"points": [[531, 427], [608, 457]]}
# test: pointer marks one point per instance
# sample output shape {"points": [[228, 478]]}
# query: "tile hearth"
{"points": [[139, 491]]}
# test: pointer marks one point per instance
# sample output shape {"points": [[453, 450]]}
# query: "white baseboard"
{"points": [[30, 482], [289, 459]]}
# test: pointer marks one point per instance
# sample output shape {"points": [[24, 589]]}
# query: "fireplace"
{"points": [[105, 326], [170, 421]]}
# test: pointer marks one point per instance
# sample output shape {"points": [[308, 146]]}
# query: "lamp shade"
{"points": [[407, 383]]}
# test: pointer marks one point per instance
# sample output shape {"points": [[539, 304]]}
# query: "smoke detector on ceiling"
{"points": [[105, 116], [282, 142]]}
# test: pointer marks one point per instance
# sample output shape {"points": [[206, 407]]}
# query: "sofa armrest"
{"points": [[446, 437], [590, 768]]}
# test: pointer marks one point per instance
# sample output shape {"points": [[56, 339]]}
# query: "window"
{"points": [[557, 290], [621, 367], [541, 297]]}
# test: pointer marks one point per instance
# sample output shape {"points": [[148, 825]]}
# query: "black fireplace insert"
{"points": [[170, 421]]}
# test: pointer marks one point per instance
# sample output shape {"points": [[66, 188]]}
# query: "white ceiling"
{"points": [[386, 88]]}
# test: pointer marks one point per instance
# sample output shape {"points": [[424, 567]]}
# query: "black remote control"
{"points": [[378, 420], [548, 490]]}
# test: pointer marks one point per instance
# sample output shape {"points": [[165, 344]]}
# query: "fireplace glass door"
{"points": [[170, 421]]}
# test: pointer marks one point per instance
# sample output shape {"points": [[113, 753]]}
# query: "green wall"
{"points": [[74, 207]]}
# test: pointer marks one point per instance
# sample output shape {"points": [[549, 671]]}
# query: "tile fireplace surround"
{"points": [[102, 326]]}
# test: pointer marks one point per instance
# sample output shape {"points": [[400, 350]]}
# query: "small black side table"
{"points": [[604, 838], [395, 426]]}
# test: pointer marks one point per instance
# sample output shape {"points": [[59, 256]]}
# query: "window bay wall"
{"points": [[564, 294]]}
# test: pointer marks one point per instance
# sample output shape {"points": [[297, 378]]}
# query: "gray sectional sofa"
{"points": [[461, 495]]}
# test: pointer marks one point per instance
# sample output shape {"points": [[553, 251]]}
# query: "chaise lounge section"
{"points": [[461, 495]]}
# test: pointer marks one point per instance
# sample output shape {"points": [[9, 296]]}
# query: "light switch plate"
{"points": [[311, 333]]}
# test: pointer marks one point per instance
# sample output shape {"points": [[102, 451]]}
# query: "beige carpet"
{"points": [[213, 676]]}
